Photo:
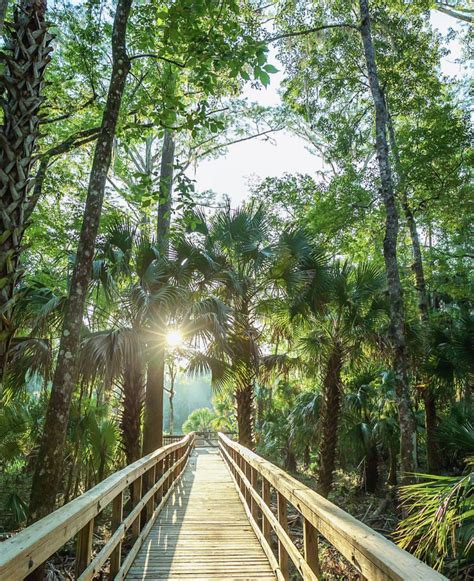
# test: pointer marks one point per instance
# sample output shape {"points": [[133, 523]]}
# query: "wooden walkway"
{"points": [[205, 514], [202, 532]]}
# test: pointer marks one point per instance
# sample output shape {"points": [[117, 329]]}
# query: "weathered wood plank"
{"points": [[203, 531], [24, 552], [376, 557]]}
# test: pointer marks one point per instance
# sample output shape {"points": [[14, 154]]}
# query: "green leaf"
{"points": [[271, 69]]}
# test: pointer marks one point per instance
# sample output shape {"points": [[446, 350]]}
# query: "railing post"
{"points": [[283, 520], [136, 496], [253, 482], [241, 465], [248, 495], [311, 555], [149, 483], [117, 517], [158, 474], [266, 527], [84, 547]]}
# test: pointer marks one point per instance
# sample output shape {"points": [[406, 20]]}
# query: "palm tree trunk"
{"points": [[306, 457], [48, 472], [155, 385], [397, 308], [244, 402], [132, 405], [290, 460], [330, 421], [155, 388], [431, 425], [371, 470], [22, 88]]}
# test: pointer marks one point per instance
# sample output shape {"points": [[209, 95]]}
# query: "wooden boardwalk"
{"points": [[188, 523], [202, 532]]}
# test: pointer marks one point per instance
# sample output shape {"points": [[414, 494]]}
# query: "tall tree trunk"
{"points": [[306, 457], [431, 426], [172, 372], [397, 309], [22, 86], [165, 205], [392, 468], [245, 404], [429, 398], [155, 386], [330, 421], [48, 473], [132, 405], [171, 422], [290, 460], [371, 469]]}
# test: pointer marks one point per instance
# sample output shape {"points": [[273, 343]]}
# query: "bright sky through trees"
{"points": [[282, 152]]}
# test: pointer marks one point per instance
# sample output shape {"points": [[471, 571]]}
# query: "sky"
{"points": [[253, 160]]}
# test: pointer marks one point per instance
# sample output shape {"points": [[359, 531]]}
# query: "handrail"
{"points": [[151, 480], [373, 555]]}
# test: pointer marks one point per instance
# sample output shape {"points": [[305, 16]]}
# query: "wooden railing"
{"points": [[202, 439], [149, 481], [374, 556]]}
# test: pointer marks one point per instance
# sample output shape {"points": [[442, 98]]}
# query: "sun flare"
{"points": [[174, 338]]}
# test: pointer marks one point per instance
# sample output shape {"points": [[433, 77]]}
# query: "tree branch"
{"points": [[158, 57], [311, 31]]}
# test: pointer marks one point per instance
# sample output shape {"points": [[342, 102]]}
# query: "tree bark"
{"points": [[306, 457], [132, 406], [155, 386], [429, 398], [371, 469], [172, 372], [165, 204], [48, 473], [330, 421], [290, 460], [22, 86], [392, 468], [431, 426], [244, 403], [397, 309]]}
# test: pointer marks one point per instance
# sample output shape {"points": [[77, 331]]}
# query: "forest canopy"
{"points": [[330, 311]]}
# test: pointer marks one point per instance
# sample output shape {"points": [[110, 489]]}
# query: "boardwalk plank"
{"points": [[203, 532]]}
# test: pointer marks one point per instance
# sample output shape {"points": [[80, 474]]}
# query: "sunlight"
{"points": [[174, 338]]}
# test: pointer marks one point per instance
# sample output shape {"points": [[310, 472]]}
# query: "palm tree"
{"points": [[342, 318], [236, 246], [24, 64], [153, 285], [200, 420]]}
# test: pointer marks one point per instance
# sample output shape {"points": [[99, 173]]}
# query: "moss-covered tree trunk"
{"points": [[49, 465], [397, 309]]}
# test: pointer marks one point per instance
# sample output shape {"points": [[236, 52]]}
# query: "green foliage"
{"points": [[200, 420], [440, 524]]}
